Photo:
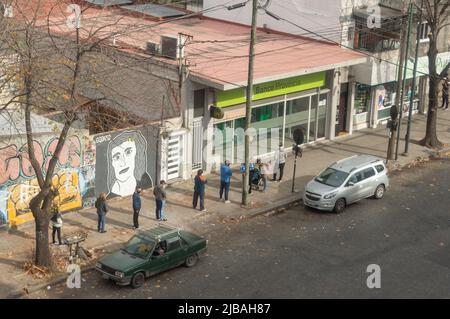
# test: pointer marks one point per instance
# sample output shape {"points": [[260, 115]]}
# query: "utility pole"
{"points": [[413, 87], [248, 105], [408, 38], [395, 107], [159, 145]]}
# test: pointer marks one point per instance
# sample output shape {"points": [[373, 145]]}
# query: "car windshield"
{"points": [[332, 177], [139, 246]]}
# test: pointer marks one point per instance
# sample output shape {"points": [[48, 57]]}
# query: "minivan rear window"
{"points": [[332, 177]]}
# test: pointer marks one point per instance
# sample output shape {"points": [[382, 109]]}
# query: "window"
{"points": [[379, 168], [350, 33], [199, 103], [331, 177], [424, 29], [356, 178], [368, 173], [174, 244], [362, 98]]}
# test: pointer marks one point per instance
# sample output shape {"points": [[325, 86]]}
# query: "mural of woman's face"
{"points": [[123, 160]]}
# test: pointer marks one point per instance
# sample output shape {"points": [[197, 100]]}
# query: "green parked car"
{"points": [[150, 252]]}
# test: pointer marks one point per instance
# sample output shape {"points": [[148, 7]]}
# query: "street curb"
{"points": [[270, 210], [29, 290], [277, 207]]}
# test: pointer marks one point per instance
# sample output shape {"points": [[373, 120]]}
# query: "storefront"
{"points": [[373, 103], [279, 109]]}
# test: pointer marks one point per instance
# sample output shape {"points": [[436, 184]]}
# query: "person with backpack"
{"points": [[102, 209], [56, 224], [199, 190]]}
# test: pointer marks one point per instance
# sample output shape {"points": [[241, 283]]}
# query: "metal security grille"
{"points": [[197, 152], [173, 157]]}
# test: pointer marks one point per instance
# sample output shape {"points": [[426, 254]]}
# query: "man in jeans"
{"points": [[136, 207], [225, 179], [160, 199], [281, 160]]}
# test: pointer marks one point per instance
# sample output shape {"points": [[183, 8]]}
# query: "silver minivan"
{"points": [[347, 181]]}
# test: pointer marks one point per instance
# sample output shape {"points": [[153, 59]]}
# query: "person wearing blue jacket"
{"points": [[225, 179], [136, 207]]}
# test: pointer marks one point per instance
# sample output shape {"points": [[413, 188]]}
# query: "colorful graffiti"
{"points": [[15, 161], [18, 183]]}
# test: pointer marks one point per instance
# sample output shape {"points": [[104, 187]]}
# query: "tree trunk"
{"points": [[431, 139], [42, 247], [40, 206]]}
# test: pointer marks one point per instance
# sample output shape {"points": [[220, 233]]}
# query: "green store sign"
{"points": [[271, 89]]}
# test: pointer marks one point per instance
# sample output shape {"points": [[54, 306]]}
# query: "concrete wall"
{"points": [[74, 176]]}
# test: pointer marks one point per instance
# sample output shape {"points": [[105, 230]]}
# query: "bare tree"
{"points": [[47, 77], [436, 13]]}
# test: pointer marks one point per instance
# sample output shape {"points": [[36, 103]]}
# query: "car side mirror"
{"points": [[350, 184]]}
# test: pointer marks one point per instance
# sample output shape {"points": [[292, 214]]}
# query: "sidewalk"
{"points": [[16, 246]]}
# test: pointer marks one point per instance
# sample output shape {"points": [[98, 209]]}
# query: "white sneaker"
{"points": [[227, 202]]}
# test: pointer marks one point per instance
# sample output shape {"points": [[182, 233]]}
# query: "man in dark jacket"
{"points": [[199, 190], [445, 85], [160, 199], [102, 209], [136, 207]]}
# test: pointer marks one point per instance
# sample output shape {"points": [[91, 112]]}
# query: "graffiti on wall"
{"points": [[15, 161], [124, 161], [18, 183]]}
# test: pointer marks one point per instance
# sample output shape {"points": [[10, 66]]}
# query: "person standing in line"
{"points": [[199, 190], [265, 172], [160, 199], [225, 180], [445, 86], [102, 209], [136, 207], [281, 160], [56, 224]]}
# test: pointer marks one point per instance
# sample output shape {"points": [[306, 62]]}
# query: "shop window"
{"points": [[362, 98]]}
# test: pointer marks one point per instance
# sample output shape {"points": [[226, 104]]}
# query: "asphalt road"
{"points": [[308, 254]]}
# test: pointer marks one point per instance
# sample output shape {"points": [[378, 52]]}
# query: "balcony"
{"points": [[381, 34]]}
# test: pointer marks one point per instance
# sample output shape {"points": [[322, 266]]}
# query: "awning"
{"points": [[422, 65]]}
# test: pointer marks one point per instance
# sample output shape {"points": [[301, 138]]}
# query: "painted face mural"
{"points": [[127, 163]]}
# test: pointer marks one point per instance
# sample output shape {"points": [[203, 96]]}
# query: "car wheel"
{"points": [[191, 260], [339, 206], [379, 191], [137, 280]]}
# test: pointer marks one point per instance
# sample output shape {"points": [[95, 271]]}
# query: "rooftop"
{"points": [[217, 52]]}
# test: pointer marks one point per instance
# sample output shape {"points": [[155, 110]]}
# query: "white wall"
{"points": [[318, 16]]}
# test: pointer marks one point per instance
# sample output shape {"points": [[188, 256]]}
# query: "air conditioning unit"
{"points": [[6, 10], [170, 47], [153, 48]]}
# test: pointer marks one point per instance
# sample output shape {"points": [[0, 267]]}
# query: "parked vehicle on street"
{"points": [[150, 252], [345, 182]]}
